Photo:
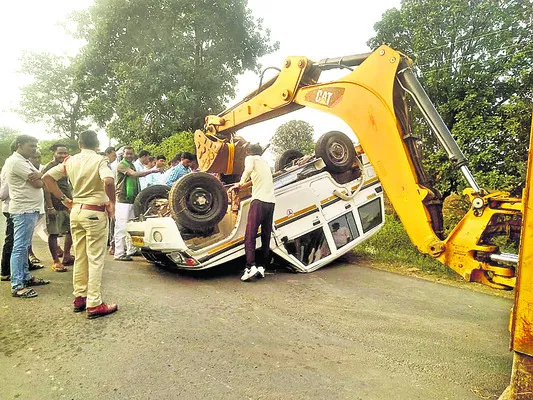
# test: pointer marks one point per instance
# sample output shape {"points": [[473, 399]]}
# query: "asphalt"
{"points": [[346, 331]]}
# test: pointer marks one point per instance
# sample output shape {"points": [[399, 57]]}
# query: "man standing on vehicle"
{"points": [[261, 212], [127, 189], [93, 189], [57, 214]]}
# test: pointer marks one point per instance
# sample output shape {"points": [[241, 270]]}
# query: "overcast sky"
{"points": [[331, 29]]}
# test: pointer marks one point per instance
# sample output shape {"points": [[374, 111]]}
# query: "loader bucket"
{"points": [[225, 156]]}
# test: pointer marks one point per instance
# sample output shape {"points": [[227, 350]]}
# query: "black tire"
{"points": [[337, 151], [198, 201], [144, 199], [229, 179], [286, 158]]}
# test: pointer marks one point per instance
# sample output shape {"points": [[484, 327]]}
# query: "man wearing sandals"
{"points": [[57, 215], [33, 262], [93, 202], [26, 203]]}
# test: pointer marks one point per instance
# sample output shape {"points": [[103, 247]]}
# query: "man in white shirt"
{"points": [[141, 165], [261, 213], [25, 206]]}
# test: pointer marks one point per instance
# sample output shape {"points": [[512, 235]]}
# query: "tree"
{"points": [[293, 135], [7, 136], [54, 97], [158, 67], [474, 58], [169, 147]]}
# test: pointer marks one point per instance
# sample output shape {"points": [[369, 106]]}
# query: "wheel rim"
{"points": [[338, 152], [200, 200]]}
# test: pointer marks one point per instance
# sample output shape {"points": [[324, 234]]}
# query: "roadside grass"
{"points": [[391, 245], [391, 249]]}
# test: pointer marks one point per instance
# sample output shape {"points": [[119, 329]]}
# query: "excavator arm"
{"points": [[372, 100]]}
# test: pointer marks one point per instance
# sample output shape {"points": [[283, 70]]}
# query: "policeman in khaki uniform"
{"points": [[93, 202]]}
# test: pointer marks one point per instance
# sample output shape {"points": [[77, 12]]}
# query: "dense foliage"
{"points": [[169, 147], [157, 67], [293, 135], [475, 60]]}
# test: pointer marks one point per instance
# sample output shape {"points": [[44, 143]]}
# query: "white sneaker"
{"points": [[249, 273], [260, 272]]}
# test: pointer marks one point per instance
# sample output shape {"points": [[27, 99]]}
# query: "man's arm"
{"points": [[121, 167], [50, 210], [248, 168], [35, 179], [50, 182], [51, 186], [4, 188], [25, 171], [109, 188], [108, 179], [140, 174], [49, 206]]}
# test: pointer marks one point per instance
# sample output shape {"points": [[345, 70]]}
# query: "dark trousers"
{"points": [[261, 214], [8, 246]]}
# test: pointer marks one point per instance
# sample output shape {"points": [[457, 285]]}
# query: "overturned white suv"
{"points": [[326, 205]]}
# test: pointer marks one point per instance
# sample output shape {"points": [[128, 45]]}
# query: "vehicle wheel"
{"points": [[286, 158], [337, 151], [198, 201], [146, 198], [229, 179]]}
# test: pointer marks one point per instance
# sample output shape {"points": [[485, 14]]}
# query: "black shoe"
{"points": [[33, 266]]}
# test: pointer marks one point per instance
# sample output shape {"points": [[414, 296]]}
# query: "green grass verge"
{"points": [[391, 245]]}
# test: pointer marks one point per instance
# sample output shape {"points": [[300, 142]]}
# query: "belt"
{"points": [[92, 207]]}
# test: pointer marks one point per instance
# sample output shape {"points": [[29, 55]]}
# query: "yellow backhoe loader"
{"points": [[372, 100]]}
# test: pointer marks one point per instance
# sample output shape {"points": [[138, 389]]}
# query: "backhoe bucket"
{"points": [[225, 156]]}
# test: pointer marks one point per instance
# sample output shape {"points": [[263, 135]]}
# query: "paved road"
{"points": [[343, 332]]}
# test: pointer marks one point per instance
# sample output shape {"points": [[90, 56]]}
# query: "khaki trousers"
{"points": [[89, 236]]}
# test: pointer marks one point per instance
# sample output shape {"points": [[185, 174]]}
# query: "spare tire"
{"points": [[146, 198], [286, 158], [337, 151], [198, 201]]}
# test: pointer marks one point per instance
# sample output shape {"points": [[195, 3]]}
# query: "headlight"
{"points": [[158, 236], [176, 257]]}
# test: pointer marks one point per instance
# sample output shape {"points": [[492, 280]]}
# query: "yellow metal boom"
{"points": [[371, 99]]}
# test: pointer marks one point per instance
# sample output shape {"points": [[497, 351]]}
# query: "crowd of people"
{"points": [[88, 199]]}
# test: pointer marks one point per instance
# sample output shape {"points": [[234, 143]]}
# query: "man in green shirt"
{"points": [[127, 189]]}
